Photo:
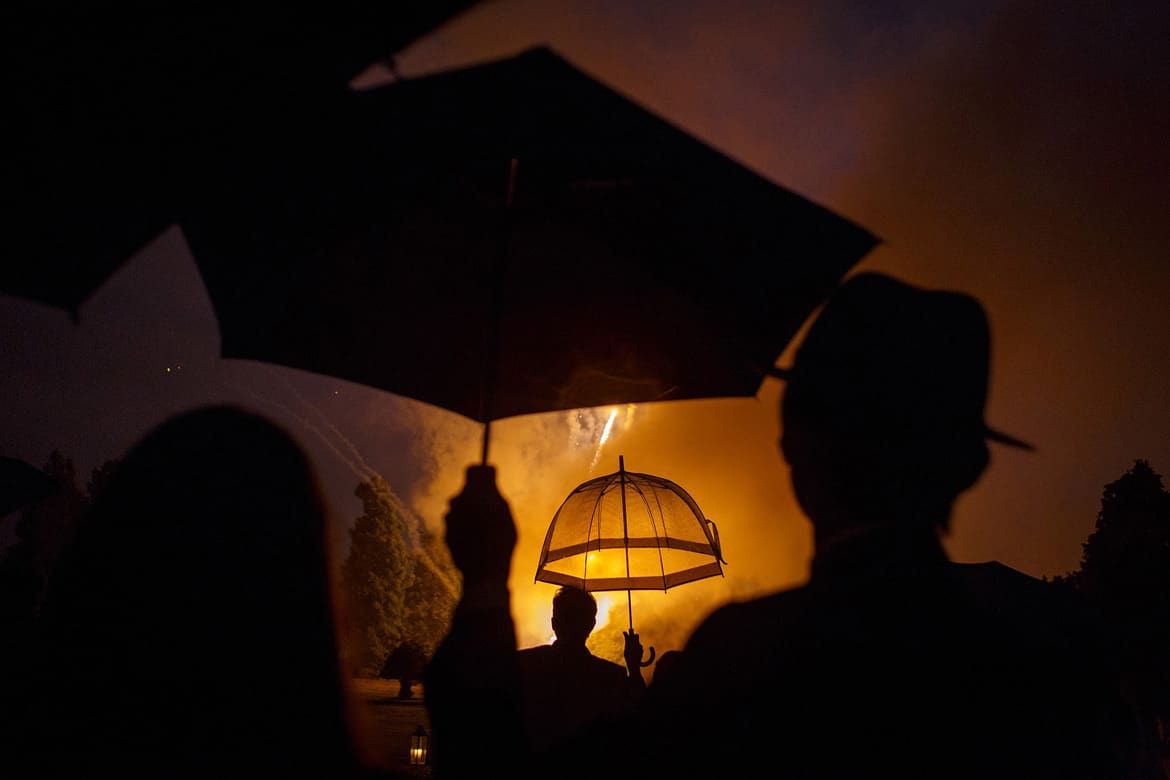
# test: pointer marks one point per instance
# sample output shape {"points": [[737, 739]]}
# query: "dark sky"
{"points": [[1016, 152]]}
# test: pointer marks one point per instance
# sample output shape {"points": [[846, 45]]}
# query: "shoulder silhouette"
{"points": [[564, 687]]}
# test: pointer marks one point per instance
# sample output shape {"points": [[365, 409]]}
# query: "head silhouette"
{"points": [[195, 610], [882, 416], [667, 665], [574, 613]]}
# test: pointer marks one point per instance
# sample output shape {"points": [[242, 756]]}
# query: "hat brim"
{"points": [[1004, 438], [781, 372]]}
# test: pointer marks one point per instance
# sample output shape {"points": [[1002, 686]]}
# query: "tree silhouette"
{"points": [[375, 577], [45, 529], [43, 532], [1125, 574], [100, 477], [433, 592]]}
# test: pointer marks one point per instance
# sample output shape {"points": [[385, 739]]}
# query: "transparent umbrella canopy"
{"points": [[629, 531]]}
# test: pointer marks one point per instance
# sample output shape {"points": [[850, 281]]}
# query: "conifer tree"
{"points": [[375, 576]]}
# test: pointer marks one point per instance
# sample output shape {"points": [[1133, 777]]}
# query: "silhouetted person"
{"points": [[565, 687], [191, 629], [667, 665], [474, 700], [886, 662]]}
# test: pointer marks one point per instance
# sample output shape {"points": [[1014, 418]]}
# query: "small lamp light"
{"points": [[419, 746]]}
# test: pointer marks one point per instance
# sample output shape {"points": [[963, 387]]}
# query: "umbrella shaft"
{"points": [[492, 348], [626, 535]]}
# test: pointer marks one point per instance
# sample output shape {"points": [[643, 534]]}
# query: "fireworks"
{"points": [[594, 427]]}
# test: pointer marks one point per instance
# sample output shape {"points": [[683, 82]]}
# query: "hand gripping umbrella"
{"points": [[629, 531]]}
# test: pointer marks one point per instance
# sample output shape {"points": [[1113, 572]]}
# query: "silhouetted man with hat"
{"points": [[885, 663]]}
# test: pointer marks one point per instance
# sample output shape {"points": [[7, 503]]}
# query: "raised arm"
{"points": [[471, 683]]}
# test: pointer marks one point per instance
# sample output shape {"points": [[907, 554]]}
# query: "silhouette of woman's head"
{"points": [[882, 414], [667, 666], [195, 612], [574, 614]]}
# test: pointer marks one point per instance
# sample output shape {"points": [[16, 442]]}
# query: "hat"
{"points": [[887, 359]]}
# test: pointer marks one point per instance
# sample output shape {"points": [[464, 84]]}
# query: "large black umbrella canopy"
{"points": [[518, 237], [115, 112]]}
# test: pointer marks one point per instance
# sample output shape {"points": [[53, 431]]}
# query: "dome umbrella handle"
{"points": [[626, 540]]}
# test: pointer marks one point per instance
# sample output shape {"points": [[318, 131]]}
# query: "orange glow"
{"points": [[718, 450], [604, 602], [1002, 202], [903, 133]]}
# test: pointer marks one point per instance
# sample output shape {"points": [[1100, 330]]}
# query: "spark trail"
{"points": [[352, 459], [604, 437]]}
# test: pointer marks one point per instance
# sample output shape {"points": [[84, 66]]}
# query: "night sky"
{"points": [[1016, 152]]}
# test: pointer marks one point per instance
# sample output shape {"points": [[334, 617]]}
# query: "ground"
{"points": [[391, 723]]}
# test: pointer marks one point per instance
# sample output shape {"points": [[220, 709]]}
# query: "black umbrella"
{"points": [[115, 113], [516, 237]]}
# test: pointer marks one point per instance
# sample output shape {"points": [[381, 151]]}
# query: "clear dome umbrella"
{"points": [[629, 531]]}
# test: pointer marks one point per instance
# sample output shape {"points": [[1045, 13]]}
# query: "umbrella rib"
{"points": [[594, 516], [689, 500], [653, 525], [666, 533]]}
